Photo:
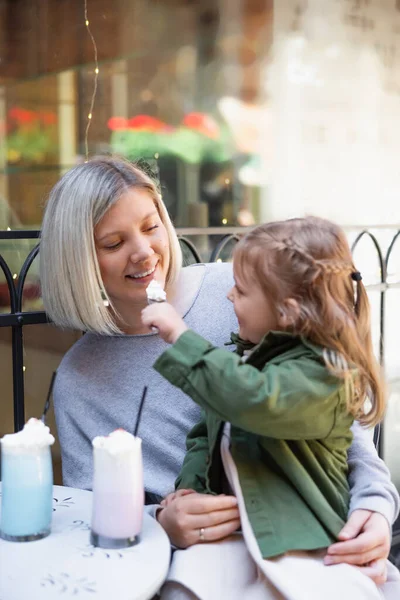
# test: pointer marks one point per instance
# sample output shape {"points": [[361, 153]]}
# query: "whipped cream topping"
{"points": [[155, 292], [34, 434], [118, 442]]}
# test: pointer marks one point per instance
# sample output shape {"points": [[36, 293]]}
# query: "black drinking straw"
{"points": [[47, 404], [140, 411]]}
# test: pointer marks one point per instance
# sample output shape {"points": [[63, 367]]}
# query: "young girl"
{"points": [[277, 416]]}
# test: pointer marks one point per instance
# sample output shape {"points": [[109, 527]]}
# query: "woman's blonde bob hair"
{"points": [[72, 287]]}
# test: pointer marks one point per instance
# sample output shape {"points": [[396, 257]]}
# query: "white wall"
{"points": [[334, 88]]}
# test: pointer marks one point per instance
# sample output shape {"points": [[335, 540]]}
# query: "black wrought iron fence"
{"points": [[225, 238], [16, 318]]}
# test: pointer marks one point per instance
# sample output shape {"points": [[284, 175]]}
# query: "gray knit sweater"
{"points": [[100, 381]]}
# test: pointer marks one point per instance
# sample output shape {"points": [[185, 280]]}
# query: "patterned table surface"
{"points": [[65, 564]]}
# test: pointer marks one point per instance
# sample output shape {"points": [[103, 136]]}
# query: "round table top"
{"points": [[65, 564]]}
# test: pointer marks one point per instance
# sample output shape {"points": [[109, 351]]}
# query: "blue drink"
{"points": [[27, 490]]}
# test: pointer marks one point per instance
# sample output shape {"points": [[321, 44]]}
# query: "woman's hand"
{"points": [[168, 322], [173, 495], [192, 518], [365, 542]]}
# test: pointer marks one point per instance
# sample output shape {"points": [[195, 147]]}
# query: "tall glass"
{"points": [[118, 492], [27, 491]]}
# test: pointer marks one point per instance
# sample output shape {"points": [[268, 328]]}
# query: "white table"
{"points": [[65, 565]]}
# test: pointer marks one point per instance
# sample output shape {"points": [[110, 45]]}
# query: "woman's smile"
{"points": [[144, 276]]}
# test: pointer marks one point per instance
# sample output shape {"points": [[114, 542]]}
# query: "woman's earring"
{"points": [[104, 298]]}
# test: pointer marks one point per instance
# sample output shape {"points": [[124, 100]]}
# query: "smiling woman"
{"points": [[132, 249], [122, 239]]}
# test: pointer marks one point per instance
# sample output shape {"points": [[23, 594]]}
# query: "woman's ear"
{"points": [[288, 313]]}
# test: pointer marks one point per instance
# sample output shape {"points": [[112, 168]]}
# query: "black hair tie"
{"points": [[356, 276]]}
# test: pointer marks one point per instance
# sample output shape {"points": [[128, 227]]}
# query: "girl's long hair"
{"points": [[309, 261]]}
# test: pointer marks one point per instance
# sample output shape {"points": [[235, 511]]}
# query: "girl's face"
{"points": [[254, 311], [132, 248]]}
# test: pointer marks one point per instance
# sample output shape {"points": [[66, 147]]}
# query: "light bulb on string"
{"points": [[95, 82]]}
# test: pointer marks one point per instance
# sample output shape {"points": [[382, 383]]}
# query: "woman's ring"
{"points": [[201, 533]]}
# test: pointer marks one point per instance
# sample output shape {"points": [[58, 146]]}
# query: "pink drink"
{"points": [[118, 494]]}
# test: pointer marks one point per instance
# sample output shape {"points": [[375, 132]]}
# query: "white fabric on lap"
{"points": [[234, 568], [218, 570], [225, 569], [391, 589], [176, 591]]}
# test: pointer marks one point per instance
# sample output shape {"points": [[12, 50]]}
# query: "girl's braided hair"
{"points": [[309, 261]]}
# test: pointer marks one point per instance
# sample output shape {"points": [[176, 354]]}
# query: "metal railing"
{"points": [[17, 318]]}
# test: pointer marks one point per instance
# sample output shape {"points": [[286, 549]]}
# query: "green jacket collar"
{"points": [[275, 343]]}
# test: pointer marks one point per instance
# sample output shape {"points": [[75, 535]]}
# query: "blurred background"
{"points": [[243, 110]]}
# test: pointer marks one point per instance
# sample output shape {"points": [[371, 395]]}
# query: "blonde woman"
{"points": [[106, 234]]}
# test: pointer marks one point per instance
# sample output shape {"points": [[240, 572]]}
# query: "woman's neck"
{"points": [[129, 316]]}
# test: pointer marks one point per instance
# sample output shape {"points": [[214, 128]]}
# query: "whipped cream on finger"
{"points": [[155, 292]]}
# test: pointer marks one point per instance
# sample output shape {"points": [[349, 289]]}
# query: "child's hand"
{"points": [[163, 316]]}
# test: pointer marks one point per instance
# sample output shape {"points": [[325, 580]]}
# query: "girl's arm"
{"points": [[296, 399]]}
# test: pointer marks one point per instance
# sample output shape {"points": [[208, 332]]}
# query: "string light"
{"points": [[224, 221], [15, 276], [95, 82], [156, 155], [227, 181], [8, 228], [24, 368]]}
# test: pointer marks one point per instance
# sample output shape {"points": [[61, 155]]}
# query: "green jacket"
{"points": [[290, 432]]}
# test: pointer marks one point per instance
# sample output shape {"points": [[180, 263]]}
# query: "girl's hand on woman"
{"points": [[192, 518], [169, 323], [365, 543]]}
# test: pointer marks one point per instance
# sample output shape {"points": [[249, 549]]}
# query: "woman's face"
{"points": [[132, 248]]}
